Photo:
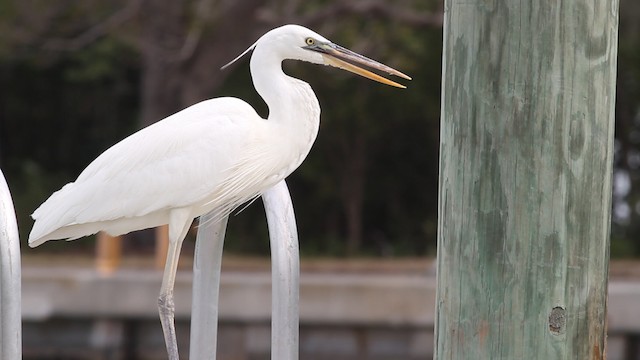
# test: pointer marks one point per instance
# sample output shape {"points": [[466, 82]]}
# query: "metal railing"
{"points": [[10, 278], [285, 275]]}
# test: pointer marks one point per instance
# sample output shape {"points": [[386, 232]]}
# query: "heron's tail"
{"points": [[52, 216]]}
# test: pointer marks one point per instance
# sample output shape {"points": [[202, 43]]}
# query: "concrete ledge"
{"points": [[392, 299], [624, 306], [347, 311], [244, 296]]}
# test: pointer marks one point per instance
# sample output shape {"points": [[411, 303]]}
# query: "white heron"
{"points": [[212, 156]]}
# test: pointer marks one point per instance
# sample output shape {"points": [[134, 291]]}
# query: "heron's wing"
{"points": [[172, 163], [259, 167]]}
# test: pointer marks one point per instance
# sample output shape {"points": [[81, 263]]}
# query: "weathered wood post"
{"points": [[525, 178]]}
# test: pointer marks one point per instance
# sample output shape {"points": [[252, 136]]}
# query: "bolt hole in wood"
{"points": [[557, 320]]}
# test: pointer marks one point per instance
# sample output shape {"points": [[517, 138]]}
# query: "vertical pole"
{"points": [[162, 246], [207, 264], [10, 277], [285, 272], [285, 277], [108, 253], [525, 178]]}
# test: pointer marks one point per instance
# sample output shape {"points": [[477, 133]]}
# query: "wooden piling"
{"points": [[525, 178]]}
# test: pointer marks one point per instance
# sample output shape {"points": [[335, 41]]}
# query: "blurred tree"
{"points": [[626, 195], [378, 159], [171, 51], [57, 115], [77, 76]]}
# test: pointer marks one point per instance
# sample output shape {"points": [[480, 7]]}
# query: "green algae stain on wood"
{"points": [[525, 178]]}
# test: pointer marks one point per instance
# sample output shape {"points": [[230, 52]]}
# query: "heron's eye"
{"points": [[310, 41]]}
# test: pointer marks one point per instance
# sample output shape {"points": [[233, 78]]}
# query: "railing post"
{"points": [[10, 278], [207, 261], [525, 178], [285, 273], [285, 279]]}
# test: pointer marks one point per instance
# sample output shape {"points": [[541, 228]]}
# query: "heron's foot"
{"points": [[166, 308]]}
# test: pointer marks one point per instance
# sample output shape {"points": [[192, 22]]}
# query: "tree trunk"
{"points": [[176, 76], [162, 32]]}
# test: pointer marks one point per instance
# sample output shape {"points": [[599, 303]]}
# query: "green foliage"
{"points": [[100, 63], [400, 131], [625, 231], [623, 247], [59, 115], [377, 147]]}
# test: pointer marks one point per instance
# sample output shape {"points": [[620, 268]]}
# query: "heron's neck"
{"points": [[291, 102]]}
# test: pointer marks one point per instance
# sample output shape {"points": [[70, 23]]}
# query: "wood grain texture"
{"points": [[525, 178]]}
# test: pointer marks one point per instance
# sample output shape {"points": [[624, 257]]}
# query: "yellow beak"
{"points": [[346, 59]]}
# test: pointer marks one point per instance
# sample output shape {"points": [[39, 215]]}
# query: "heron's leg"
{"points": [[179, 223]]}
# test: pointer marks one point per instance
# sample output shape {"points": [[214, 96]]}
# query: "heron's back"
{"points": [[180, 161]]}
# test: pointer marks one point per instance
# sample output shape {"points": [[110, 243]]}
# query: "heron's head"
{"points": [[299, 43]]}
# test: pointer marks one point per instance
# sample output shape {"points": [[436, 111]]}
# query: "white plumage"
{"points": [[212, 156], [216, 154]]}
